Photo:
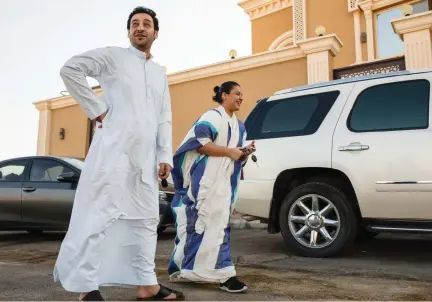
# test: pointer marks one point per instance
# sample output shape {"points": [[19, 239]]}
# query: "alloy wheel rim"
{"points": [[314, 221]]}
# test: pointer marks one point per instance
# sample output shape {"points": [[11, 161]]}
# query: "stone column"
{"points": [[366, 6], [357, 32], [44, 133], [320, 52], [415, 31]]}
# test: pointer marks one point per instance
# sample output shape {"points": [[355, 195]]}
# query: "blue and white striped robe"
{"points": [[205, 192]]}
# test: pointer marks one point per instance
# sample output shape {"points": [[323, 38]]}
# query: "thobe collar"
{"points": [[140, 53], [221, 109]]}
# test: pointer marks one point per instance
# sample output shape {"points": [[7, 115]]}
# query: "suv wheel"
{"points": [[317, 220]]}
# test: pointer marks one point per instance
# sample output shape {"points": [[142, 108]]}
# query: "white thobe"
{"points": [[113, 228]]}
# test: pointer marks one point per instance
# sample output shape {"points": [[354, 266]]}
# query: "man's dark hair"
{"points": [[143, 10]]}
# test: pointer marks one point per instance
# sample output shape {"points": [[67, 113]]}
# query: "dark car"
{"points": [[37, 193]]}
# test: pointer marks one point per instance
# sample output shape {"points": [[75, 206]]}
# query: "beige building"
{"points": [[294, 42]]}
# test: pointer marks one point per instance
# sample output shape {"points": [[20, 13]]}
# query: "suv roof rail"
{"points": [[352, 80], [263, 99]]}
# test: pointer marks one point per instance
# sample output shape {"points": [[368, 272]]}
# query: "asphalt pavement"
{"points": [[390, 267]]}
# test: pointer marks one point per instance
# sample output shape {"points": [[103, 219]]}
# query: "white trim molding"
{"points": [[283, 40], [299, 20], [415, 31], [260, 8], [412, 24], [244, 63], [59, 102], [353, 5], [44, 130], [320, 52], [329, 43], [379, 4], [367, 7], [357, 34]]}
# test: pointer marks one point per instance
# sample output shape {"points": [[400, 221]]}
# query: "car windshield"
{"points": [[74, 161]]}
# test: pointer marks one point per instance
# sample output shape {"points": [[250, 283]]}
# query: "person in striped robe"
{"points": [[206, 174]]}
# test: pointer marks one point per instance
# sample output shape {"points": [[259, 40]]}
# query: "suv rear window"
{"points": [[296, 116], [390, 107]]}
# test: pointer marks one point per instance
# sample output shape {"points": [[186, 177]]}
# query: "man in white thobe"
{"points": [[113, 228]]}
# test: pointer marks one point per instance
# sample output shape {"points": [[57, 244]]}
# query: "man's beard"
{"points": [[146, 45]]}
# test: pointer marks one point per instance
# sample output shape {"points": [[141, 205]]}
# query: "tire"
{"points": [[366, 235], [343, 234]]}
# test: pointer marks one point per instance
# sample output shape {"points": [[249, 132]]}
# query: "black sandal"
{"points": [[93, 296], [163, 293]]}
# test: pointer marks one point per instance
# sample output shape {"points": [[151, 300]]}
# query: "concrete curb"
{"points": [[240, 224]]}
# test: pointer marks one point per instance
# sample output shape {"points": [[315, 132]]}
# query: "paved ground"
{"points": [[387, 268]]}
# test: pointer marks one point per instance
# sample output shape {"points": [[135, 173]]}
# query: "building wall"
{"points": [[76, 126], [267, 28], [334, 16], [191, 99]]}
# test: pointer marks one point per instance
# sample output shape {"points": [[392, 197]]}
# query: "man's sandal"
{"points": [[163, 293]]}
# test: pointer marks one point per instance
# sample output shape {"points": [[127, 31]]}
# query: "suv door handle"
{"points": [[354, 148], [29, 189]]}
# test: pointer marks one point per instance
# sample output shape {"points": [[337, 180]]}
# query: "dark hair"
{"points": [[225, 87], [144, 10]]}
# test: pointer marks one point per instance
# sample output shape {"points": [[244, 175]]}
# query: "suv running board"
{"points": [[377, 225], [398, 229]]}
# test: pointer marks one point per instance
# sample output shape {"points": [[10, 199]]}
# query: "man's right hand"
{"points": [[235, 153], [100, 118]]}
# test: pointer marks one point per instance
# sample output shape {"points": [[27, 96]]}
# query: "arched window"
{"points": [[283, 40]]}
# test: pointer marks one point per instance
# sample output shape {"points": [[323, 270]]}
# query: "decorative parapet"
{"points": [[415, 31], [299, 12], [260, 8], [375, 67], [329, 44], [253, 61]]}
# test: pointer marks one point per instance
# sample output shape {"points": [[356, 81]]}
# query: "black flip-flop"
{"points": [[93, 296], [163, 293]]}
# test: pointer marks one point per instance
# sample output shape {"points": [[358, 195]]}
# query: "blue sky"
{"points": [[38, 36]]}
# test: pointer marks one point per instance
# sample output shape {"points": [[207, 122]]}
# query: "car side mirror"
{"points": [[68, 177]]}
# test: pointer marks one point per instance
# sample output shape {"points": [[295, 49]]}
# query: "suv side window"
{"points": [[13, 171], [47, 170], [391, 107], [295, 116]]}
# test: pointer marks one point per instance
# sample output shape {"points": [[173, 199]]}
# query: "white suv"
{"points": [[341, 158]]}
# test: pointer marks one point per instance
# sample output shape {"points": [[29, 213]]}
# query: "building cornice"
{"points": [[249, 62], [329, 43], [374, 5], [59, 102], [412, 23], [43, 105], [379, 4], [260, 8]]}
